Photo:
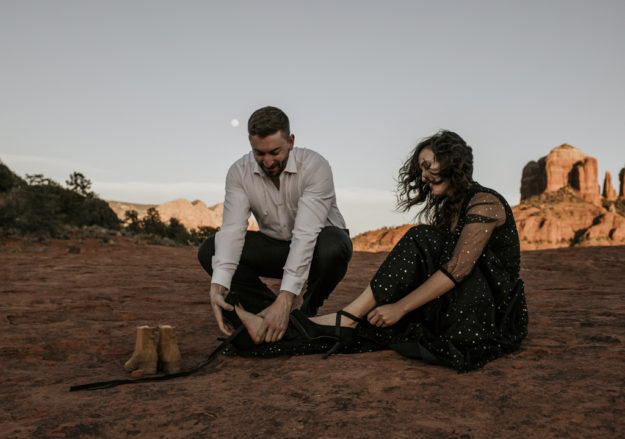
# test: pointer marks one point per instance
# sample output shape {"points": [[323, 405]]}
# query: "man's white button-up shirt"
{"points": [[304, 204]]}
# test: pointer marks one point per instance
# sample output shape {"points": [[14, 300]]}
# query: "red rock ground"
{"points": [[70, 318]]}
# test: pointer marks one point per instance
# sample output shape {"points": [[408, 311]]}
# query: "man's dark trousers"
{"points": [[265, 256]]}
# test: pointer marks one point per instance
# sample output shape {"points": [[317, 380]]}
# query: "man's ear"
{"points": [[291, 141]]}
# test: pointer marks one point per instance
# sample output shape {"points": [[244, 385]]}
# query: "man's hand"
{"points": [[217, 295], [386, 315], [275, 318]]}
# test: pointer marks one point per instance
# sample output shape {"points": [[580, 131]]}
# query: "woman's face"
{"points": [[430, 172]]}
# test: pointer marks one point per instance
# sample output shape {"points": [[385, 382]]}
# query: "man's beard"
{"points": [[276, 169]]}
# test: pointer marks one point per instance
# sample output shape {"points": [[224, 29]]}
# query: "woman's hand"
{"points": [[385, 315]]}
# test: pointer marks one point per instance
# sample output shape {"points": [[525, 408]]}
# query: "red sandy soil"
{"points": [[69, 318]]}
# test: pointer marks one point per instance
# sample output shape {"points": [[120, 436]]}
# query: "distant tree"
{"points": [[177, 231], [132, 221], [40, 180], [202, 233], [152, 223], [79, 183]]}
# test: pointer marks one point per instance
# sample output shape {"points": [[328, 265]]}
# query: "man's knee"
{"points": [[205, 254], [333, 247]]}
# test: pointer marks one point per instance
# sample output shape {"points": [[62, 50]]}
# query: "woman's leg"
{"points": [[413, 259], [359, 307]]}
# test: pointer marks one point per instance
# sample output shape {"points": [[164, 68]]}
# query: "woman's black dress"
{"points": [[483, 317]]}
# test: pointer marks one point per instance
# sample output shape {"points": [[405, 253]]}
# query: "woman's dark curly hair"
{"points": [[455, 159]]}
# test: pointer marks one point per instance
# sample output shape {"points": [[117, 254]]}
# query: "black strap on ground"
{"points": [[114, 383]]}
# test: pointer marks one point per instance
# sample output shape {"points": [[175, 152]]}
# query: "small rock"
{"points": [[137, 373], [73, 249]]}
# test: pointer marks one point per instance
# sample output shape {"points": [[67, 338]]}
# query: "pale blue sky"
{"points": [[138, 95]]}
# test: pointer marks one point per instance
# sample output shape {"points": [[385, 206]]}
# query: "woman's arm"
{"points": [[484, 213], [435, 286]]}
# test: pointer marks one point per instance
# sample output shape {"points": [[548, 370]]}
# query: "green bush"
{"points": [[8, 179], [152, 226], [42, 207]]}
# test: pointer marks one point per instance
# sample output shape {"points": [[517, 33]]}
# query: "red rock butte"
{"points": [[564, 166]]}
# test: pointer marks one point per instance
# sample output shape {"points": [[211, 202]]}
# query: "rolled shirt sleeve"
{"points": [[230, 238]]}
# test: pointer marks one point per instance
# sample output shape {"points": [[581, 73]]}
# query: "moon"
{"points": [[234, 123]]}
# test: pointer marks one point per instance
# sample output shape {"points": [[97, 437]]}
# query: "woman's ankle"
{"points": [[330, 320]]}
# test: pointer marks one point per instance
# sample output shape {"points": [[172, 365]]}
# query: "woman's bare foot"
{"points": [[252, 322], [330, 320]]}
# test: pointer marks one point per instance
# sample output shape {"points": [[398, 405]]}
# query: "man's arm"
{"points": [[312, 213], [229, 242]]}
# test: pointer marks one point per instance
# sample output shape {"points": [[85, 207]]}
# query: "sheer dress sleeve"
{"points": [[484, 213]]}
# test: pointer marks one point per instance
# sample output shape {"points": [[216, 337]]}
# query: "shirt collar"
{"points": [[291, 164]]}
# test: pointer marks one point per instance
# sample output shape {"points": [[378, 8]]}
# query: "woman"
{"points": [[449, 292]]}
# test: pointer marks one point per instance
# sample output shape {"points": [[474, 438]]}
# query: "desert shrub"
{"points": [[42, 207], [618, 206], [177, 231], [202, 233], [563, 195], [152, 227], [8, 179], [152, 224], [79, 184], [132, 221]]}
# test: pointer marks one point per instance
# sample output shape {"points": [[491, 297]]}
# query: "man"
{"points": [[302, 235]]}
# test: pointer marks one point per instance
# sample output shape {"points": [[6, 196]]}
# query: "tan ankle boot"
{"points": [[168, 353], [144, 357]]}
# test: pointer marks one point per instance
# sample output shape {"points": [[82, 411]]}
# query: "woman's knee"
{"points": [[424, 232]]}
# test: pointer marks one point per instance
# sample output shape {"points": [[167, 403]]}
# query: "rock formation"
{"points": [[120, 208], [609, 193], [561, 204], [621, 179], [563, 166], [191, 214], [553, 220], [380, 240], [560, 219]]}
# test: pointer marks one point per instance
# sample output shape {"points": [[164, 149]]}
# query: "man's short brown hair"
{"points": [[268, 120]]}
